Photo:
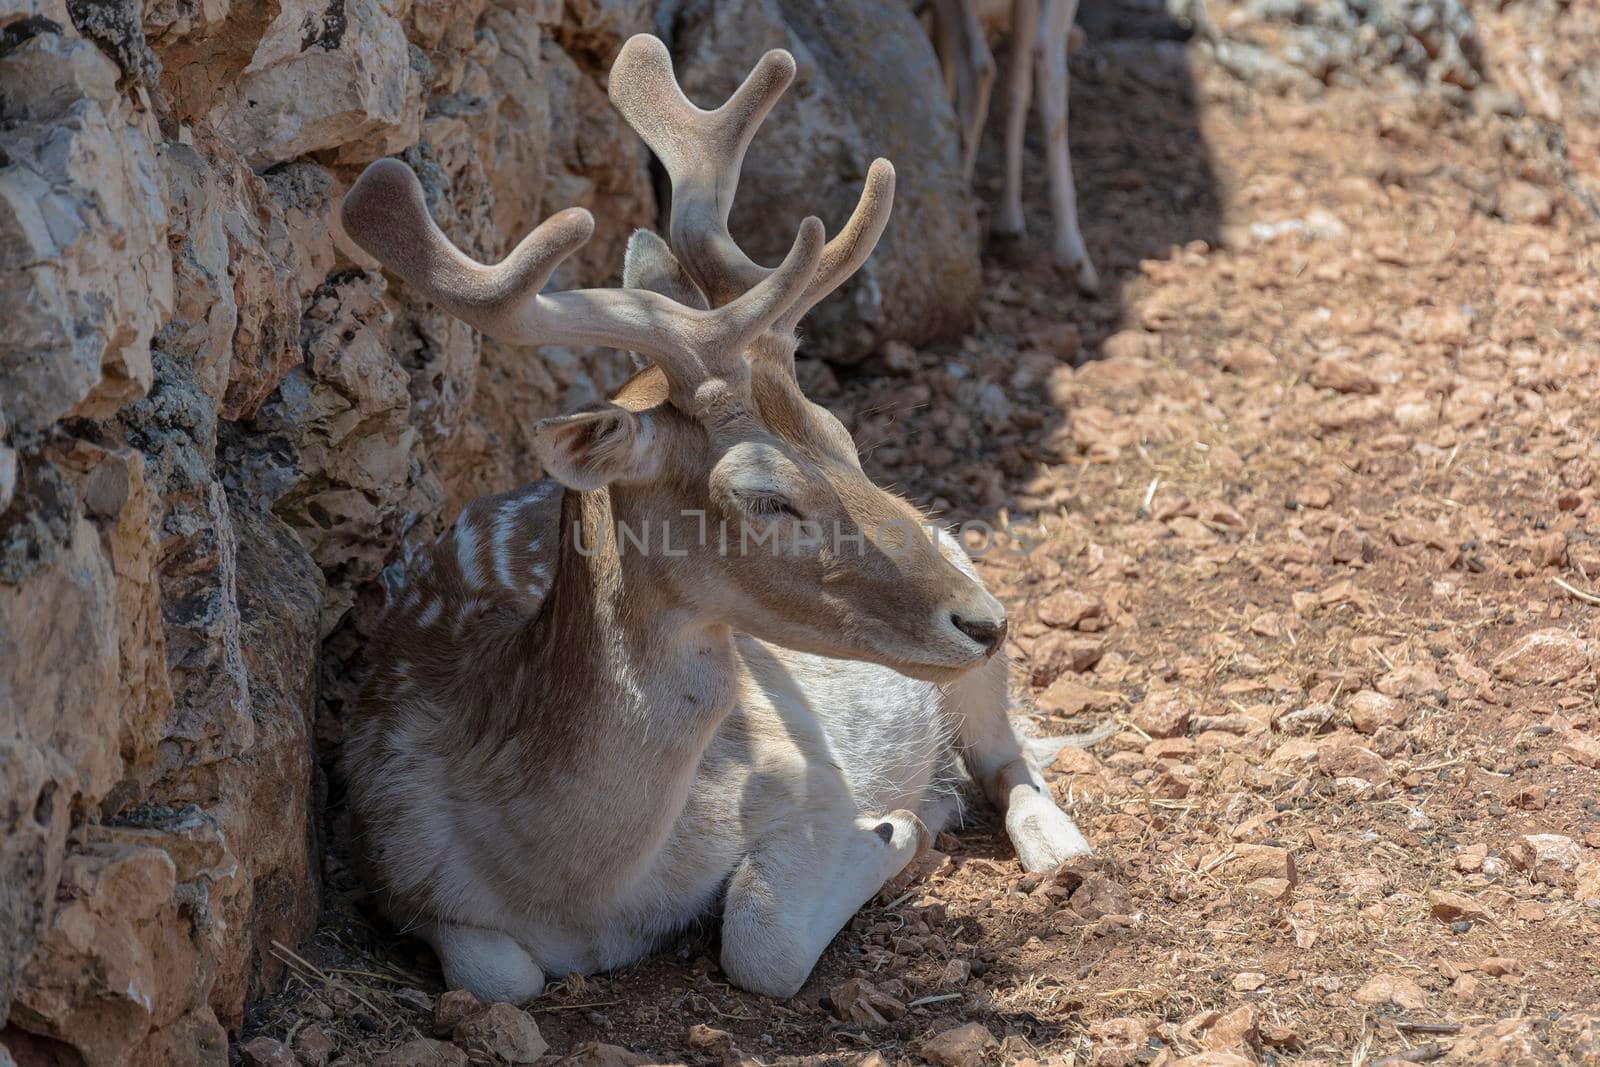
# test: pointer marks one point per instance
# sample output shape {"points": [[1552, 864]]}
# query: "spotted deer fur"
{"points": [[571, 748]]}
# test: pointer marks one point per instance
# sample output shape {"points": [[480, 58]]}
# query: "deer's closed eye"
{"points": [[766, 505]]}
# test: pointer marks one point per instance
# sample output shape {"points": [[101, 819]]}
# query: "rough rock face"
{"points": [[868, 85], [1428, 40], [218, 425], [1305, 44], [83, 223]]}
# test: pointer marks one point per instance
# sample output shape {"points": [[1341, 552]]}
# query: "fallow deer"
{"points": [[574, 744], [1039, 45]]}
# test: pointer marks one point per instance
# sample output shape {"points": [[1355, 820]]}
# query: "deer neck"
{"points": [[643, 674]]}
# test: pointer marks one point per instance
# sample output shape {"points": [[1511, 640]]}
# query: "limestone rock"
{"points": [[302, 195], [861, 1003], [1161, 714], [612, 180], [60, 720], [1580, 1031], [454, 1007], [501, 1034], [1370, 711], [314, 1046], [423, 1052], [1235, 1030], [1451, 907], [82, 217], [1340, 760], [1249, 862], [1391, 989], [1513, 1040], [963, 1046], [1391, 41], [1588, 887], [1550, 858], [175, 428], [594, 30], [117, 960], [1069, 608], [1337, 374], [1544, 657], [1058, 652], [238, 309], [338, 458], [264, 803], [1099, 896], [1522, 201], [319, 80], [267, 1052]]}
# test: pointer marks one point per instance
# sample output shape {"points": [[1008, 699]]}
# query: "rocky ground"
{"points": [[1317, 484]]}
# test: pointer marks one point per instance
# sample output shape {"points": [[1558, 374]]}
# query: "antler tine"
{"points": [[703, 152], [850, 248], [386, 215]]}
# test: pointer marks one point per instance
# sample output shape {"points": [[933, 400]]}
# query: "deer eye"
{"points": [[768, 506]]}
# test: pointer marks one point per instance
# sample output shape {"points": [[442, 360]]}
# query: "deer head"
{"points": [[770, 525]]}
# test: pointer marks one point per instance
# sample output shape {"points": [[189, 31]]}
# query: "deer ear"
{"points": [[650, 264], [595, 448]]}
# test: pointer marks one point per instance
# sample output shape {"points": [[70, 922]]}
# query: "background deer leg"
{"points": [[1054, 84], [1024, 33], [1007, 771], [945, 44], [486, 962], [978, 65], [969, 71], [799, 887]]}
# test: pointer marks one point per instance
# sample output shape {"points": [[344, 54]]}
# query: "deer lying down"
{"points": [[571, 748], [1039, 34]]}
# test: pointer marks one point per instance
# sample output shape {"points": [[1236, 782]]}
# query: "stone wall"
{"points": [[220, 424]]}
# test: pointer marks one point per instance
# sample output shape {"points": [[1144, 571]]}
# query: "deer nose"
{"points": [[987, 632]]}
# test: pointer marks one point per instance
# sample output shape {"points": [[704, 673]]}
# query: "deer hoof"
{"points": [[1005, 229], [1083, 273], [901, 826], [1043, 835]]}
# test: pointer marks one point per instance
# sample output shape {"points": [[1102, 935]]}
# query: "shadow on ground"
{"points": [[1143, 170], [1146, 189]]}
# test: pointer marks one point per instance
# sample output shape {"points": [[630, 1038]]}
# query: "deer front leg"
{"points": [[486, 963], [1054, 86], [1042, 833], [1024, 32], [800, 885]]}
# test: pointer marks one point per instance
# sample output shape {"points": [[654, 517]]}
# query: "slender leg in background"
{"points": [[1054, 85], [1024, 32]]}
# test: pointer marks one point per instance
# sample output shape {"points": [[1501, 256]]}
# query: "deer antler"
{"points": [[386, 215], [703, 152]]}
